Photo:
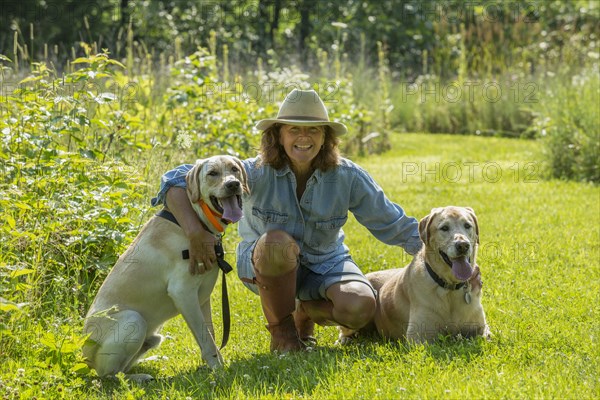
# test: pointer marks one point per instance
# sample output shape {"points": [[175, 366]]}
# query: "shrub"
{"points": [[568, 121], [68, 201]]}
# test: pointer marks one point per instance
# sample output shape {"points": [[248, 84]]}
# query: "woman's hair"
{"points": [[273, 153]]}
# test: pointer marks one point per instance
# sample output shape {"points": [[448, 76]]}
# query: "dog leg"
{"points": [[184, 293], [421, 331], [207, 313], [150, 342], [116, 342], [346, 335]]}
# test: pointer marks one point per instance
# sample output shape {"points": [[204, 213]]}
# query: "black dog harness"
{"points": [[223, 265]]}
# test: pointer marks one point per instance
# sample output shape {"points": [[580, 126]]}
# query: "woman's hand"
{"points": [[202, 242], [202, 250]]}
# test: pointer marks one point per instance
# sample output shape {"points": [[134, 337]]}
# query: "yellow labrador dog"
{"points": [[439, 292], [151, 283]]}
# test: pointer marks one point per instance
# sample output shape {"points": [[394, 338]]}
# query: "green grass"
{"points": [[539, 258]]}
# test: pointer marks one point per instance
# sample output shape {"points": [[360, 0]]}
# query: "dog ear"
{"points": [[192, 180], [423, 228], [425, 223], [474, 217], [240, 165]]}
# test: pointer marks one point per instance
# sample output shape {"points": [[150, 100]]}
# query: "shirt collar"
{"points": [[287, 170], [283, 171]]}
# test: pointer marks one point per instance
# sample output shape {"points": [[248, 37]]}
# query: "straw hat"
{"points": [[303, 108]]}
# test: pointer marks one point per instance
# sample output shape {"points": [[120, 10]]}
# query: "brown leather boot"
{"points": [[278, 300], [304, 325], [284, 337]]}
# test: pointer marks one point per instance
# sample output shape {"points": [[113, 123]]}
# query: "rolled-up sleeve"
{"points": [[172, 178]]}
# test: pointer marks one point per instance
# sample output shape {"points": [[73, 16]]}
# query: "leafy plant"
{"points": [[568, 121]]}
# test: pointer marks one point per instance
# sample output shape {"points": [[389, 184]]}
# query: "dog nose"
{"points": [[232, 185], [462, 247]]}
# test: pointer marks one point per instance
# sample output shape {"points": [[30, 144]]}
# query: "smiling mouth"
{"points": [[303, 147]]}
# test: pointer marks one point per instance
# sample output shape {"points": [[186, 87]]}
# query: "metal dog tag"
{"points": [[468, 297]]}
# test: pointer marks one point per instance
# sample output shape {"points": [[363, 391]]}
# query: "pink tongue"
{"points": [[461, 269], [231, 209]]}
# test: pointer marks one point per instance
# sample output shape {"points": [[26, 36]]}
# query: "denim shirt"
{"points": [[316, 220]]}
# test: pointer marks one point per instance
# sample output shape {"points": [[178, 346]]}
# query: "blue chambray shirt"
{"points": [[316, 220]]}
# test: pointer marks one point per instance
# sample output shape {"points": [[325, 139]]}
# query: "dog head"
{"points": [[451, 236], [219, 182]]}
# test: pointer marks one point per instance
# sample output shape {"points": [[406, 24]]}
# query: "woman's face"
{"points": [[301, 143]]}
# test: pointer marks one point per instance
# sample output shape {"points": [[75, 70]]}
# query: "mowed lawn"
{"points": [[539, 257]]}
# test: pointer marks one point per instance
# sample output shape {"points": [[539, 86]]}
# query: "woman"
{"points": [[292, 240]]}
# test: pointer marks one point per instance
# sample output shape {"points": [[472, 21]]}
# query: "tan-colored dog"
{"points": [[439, 292], [151, 283]]}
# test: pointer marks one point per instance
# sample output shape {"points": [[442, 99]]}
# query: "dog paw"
{"points": [[214, 361], [140, 378], [344, 340], [153, 358], [487, 334], [346, 335]]}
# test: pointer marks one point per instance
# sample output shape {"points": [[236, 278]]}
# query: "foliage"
{"points": [[66, 205], [528, 35], [569, 123]]}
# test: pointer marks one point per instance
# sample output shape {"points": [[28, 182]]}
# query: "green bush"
{"points": [[67, 200], [568, 121]]}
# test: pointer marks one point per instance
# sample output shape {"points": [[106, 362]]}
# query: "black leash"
{"points": [[223, 266], [226, 268]]}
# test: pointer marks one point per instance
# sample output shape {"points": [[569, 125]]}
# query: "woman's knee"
{"points": [[276, 252], [354, 304]]}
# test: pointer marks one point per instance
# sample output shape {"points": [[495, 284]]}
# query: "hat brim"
{"points": [[337, 127]]}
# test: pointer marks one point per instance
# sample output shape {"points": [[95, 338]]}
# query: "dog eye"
{"points": [[468, 226], [445, 228], [235, 169], [212, 173]]}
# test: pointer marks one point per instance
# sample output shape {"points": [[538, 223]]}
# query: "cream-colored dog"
{"points": [[151, 283], [439, 292]]}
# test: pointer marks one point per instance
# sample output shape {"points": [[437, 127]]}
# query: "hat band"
{"points": [[302, 118]]}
